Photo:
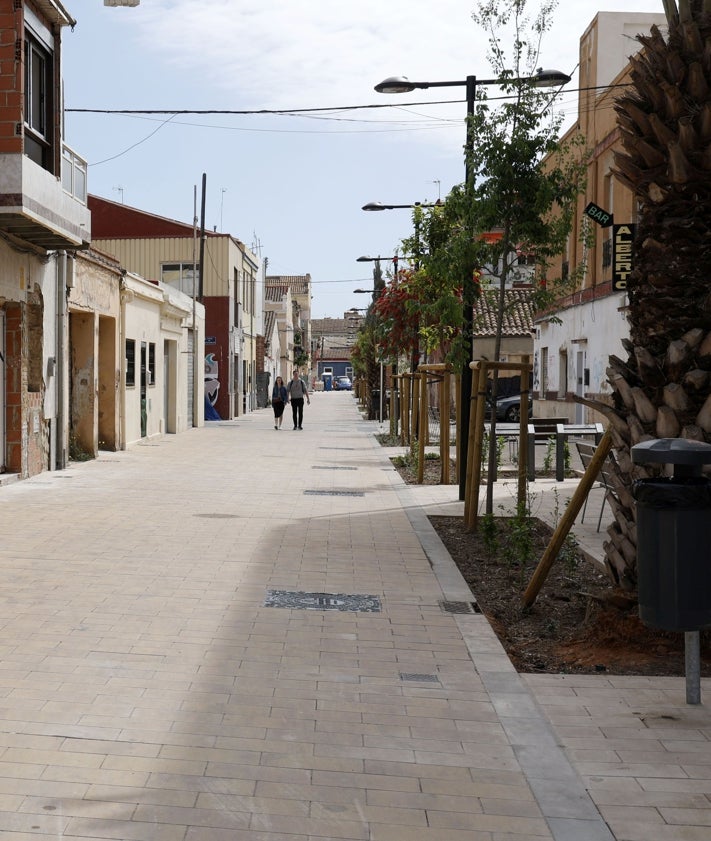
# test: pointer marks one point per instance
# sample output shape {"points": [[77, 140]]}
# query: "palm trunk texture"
{"points": [[662, 389]]}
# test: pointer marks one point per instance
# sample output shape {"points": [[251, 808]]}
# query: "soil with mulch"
{"points": [[579, 623]]}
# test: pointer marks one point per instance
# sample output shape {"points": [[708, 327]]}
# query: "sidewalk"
{"points": [[244, 634]]}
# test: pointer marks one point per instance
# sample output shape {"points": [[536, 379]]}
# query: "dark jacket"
{"points": [[279, 393]]}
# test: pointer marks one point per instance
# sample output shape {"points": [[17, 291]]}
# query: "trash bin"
{"points": [[327, 382], [674, 536]]}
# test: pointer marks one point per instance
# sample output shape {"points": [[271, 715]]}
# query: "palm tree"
{"points": [[662, 389]]}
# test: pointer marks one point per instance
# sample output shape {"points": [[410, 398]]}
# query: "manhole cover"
{"points": [[334, 493], [218, 516], [322, 601]]}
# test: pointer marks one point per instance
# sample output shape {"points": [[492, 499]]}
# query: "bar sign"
{"points": [[622, 243]]}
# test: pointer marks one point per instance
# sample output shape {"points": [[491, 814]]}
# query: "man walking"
{"points": [[298, 392]]}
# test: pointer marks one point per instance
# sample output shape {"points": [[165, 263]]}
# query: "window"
{"points": [[562, 374], [544, 372], [607, 253], [236, 318], [130, 362], [151, 363], [38, 103], [182, 276]]}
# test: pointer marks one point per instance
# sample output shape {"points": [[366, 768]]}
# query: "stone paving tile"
{"points": [[147, 691]]}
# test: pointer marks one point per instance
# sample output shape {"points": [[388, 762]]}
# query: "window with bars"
{"points": [[130, 362]]}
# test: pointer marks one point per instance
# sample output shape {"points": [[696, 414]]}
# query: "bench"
{"points": [[586, 451], [540, 431], [576, 430]]}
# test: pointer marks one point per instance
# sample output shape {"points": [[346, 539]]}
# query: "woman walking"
{"points": [[279, 397]]}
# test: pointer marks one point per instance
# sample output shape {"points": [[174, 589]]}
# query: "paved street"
{"points": [[239, 634]]}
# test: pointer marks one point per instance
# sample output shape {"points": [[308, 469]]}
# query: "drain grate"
{"points": [[333, 493], [322, 601], [339, 448], [418, 678], [460, 607], [329, 467]]}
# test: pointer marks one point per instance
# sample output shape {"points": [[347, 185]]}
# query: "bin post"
{"points": [[687, 458]]}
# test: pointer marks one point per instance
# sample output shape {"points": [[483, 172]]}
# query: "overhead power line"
{"points": [[291, 111]]}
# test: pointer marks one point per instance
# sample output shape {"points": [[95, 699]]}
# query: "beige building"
{"points": [[570, 357], [168, 251], [161, 386], [298, 347], [131, 368]]}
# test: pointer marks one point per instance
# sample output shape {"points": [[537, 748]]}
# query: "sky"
{"points": [[290, 186]]}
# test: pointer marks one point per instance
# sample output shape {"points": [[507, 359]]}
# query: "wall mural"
{"points": [[212, 382]]}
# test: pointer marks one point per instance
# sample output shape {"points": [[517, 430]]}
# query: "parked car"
{"points": [[343, 384], [509, 409]]}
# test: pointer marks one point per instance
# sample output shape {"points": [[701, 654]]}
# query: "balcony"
{"points": [[41, 209]]}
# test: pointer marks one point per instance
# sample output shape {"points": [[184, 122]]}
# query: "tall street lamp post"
{"points": [[376, 294], [377, 206], [401, 84]]}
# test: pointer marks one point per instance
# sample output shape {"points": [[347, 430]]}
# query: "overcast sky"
{"points": [[289, 186]]}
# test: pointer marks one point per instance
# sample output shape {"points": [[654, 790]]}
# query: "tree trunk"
{"points": [[662, 389]]}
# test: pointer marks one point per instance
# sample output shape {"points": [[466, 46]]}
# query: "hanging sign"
{"points": [[622, 240], [597, 214]]}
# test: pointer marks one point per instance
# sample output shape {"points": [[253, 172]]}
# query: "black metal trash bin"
{"points": [[375, 402], [674, 536], [674, 552]]}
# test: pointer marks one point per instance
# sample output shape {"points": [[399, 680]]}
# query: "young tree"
{"points": [[529, 206], [663, 389], [367, 351]]}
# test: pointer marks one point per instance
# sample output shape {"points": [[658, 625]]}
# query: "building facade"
{"points": [[168, 251], [571, 351], [44, 220], [297, 319]]}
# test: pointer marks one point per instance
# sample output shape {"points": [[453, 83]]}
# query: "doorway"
{"points": [[144, 389]]}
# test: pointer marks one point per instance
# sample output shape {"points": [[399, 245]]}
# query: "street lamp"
{"points": [[376, 294], [376, 206], [401, 84]]}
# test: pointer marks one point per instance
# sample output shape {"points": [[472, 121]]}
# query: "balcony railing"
{"points": [[74, 176]]}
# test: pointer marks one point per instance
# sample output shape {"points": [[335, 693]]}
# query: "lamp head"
{"points": [[373, 205], [395, 84], [549, 78]]}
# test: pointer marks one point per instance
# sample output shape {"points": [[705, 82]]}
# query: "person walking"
{"points": [[279, 400], [298, 392]]}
